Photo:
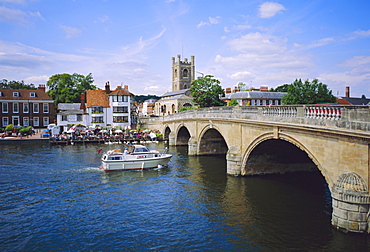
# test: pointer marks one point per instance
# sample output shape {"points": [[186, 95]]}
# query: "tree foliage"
{"points": [[281, 88], [233, 102], [67, 88], [206, 92], [142, 98], [308, 93], [5, 84]]}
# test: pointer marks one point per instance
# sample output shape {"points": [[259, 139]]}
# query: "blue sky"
{"points": [[260, 43]]}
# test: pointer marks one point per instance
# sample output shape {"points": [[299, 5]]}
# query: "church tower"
{"points": [[183, 73]]}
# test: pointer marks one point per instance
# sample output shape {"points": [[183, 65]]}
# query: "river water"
{"points": [[55, 198]]}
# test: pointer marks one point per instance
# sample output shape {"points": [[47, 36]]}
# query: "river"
{"points": [[55, 198]]}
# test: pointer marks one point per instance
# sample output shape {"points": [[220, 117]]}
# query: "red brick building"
{"points": [[26, 107]]}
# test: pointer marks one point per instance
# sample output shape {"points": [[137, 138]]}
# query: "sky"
{"points": [[259, 43]]}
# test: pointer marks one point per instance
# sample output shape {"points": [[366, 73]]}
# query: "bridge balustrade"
{"points": [[341, 116]]}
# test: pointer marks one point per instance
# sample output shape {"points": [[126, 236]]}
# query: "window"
{"points": [[79, 117], [46, 121], [121, 109], [1, 93], [120, 98], [32, 94], [26, 121], [15, 107], [97, 119], [185, 73], [258, 102], [5, 107], [25, 108], [263, 102], [46, 108], [15, 120], [36, 122], [125, 98], [276, 102], [15, 94], [64, 118], [5, 121], [35, 108], [96, 110], [120, 119], [253, 102], [114, 98]]}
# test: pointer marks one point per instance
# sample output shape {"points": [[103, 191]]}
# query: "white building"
{"points": [[109, 108], [101, 108]]}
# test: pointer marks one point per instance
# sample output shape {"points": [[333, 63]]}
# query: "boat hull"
{"points": [[135, 164]]}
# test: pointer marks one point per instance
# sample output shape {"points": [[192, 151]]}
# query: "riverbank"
{"points": [[35, 137]]}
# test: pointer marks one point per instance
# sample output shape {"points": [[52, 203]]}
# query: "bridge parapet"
{"points": [[346, 117]]}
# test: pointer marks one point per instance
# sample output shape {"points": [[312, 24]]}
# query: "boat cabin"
{"points": [[133, 149]]}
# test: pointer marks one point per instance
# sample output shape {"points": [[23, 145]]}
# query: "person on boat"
{"points": [[126, 151]]}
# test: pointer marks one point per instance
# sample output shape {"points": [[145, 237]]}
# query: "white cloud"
{"points": [[363, 33], [37, 79], [13, 1], [240, 75], [71, 32], [211, 20], [103, 19], [270, 9], [12, 15], [16, 15], [258, 43], [214, 20], [321, 42]]}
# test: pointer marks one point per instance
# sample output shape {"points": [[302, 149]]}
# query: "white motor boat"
{"points": [[136, 157]]}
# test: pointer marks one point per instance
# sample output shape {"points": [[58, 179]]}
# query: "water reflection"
{"points": [[56, 198]]}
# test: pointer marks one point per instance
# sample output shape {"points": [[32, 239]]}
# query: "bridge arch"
{"points": [[182, 135], [283, 141], [167, 132], [211, 142]]}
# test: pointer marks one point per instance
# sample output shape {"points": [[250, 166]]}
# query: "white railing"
{"points": [[330, 113], [349, 117]]}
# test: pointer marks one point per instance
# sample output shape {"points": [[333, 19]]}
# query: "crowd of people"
{"points": [[107, 135]]}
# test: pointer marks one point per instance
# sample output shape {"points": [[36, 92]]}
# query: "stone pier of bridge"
{"points": [[278, 139]]}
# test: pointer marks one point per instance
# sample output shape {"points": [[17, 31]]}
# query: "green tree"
{"points": [[233, 102], [15, 85], [206, 92], [308, 93], [67, 88], [281, 88]]}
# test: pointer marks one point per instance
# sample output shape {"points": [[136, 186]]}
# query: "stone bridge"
{"points": [[279, 139]]}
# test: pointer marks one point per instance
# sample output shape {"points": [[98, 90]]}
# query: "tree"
{"points": [[233, 102], [15, 85], [67, 88], [281, 88], [308, 93], [206, 92]]}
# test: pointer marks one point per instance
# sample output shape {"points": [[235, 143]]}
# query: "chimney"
{"points": [[347, 92], [107, 88], [83, 102], [41, 87], [228, 90], [119, 87], [264, 89], [126, 87]]}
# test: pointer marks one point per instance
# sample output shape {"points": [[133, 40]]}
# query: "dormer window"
{"points": [[32, 94], [15, 94]]}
